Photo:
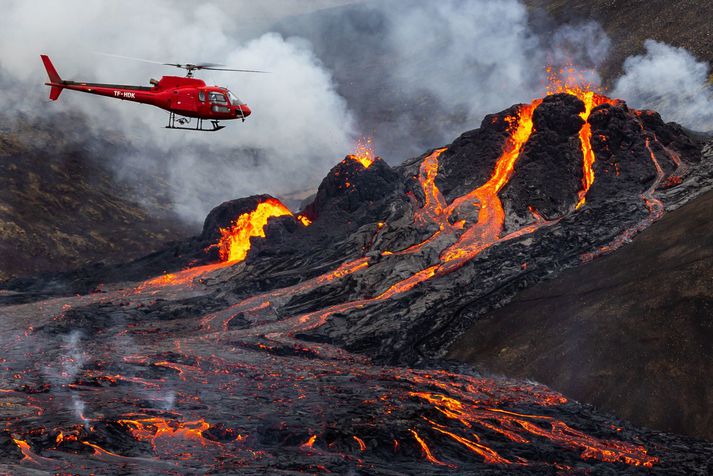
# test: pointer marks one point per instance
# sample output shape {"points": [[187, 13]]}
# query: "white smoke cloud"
{"points": [[419, 72], [585, 46], [480, 56], [671, 81]]}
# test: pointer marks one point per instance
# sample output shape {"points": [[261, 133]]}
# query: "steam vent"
{"points": [[312, 342]]}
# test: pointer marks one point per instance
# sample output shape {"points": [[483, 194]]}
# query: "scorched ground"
{"points": [[310, 342]]}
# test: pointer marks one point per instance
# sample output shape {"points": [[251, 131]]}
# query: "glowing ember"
{"points": [[304, 220], [309, 443], [364, 153], [235, 243], [24, 447]]}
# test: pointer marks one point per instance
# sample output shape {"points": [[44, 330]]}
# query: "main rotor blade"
{"points": [[238, 70], [193, 66], [131, 58], [188, 66], [209, 65]]}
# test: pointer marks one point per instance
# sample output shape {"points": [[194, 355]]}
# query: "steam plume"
{"points": [[671, 81]]}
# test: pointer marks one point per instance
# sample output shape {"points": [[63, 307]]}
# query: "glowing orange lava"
{"points": [[304, 220], [309, 443], [364, 152], [99, 451], [152, 428], [509, 423], [434, 203], [235, 243], [62, 437], [185, 277], [568, 80], [426, 450], [24, 447], [492, 215]]}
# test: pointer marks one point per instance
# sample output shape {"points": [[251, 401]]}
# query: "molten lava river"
{"points": [[174, 375]]}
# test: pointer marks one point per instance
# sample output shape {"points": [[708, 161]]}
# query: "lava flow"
{"points": [[491, 216], [235, 243], [567, 81], [255, 369]]}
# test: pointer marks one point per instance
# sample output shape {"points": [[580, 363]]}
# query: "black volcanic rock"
{"points": [[548, 175], [618, 140], [469, 161], [321, 351], [672, 135], [353, 193]]}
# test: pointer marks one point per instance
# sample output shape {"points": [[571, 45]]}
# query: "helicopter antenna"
{"points": [[189, 67]]}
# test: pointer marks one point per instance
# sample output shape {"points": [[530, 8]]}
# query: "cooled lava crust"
{"points": [[319, 351]]}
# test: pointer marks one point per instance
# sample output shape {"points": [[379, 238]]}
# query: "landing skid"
{"points": [[182, 121]]}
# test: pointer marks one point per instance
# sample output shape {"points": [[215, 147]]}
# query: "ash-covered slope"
{"points": [[61, 206], [636, 325], [285, 360]]}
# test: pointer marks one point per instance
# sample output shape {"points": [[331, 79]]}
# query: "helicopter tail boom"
{"points": [[56, 83]]}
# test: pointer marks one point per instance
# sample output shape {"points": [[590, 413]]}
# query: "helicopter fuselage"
{"points": [[184, 96], [188, 97]]}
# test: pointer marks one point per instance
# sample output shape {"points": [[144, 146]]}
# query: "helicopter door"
{"points": [[185, 101]]}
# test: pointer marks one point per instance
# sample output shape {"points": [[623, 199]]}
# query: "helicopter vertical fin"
{"points": [[55, 80]]}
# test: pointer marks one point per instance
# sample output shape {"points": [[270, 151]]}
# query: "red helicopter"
{"points": [[187, 97]]}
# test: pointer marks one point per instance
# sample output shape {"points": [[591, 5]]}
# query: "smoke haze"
{"points": [[417, 75], [671, 81], [413, 74]]}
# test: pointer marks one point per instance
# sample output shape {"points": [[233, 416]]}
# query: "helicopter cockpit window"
{"points": [[201, 96], [217, 98], [234, 99]]}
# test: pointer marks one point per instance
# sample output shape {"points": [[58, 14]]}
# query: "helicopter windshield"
{"points": [[234, 99], [216, 98]]}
